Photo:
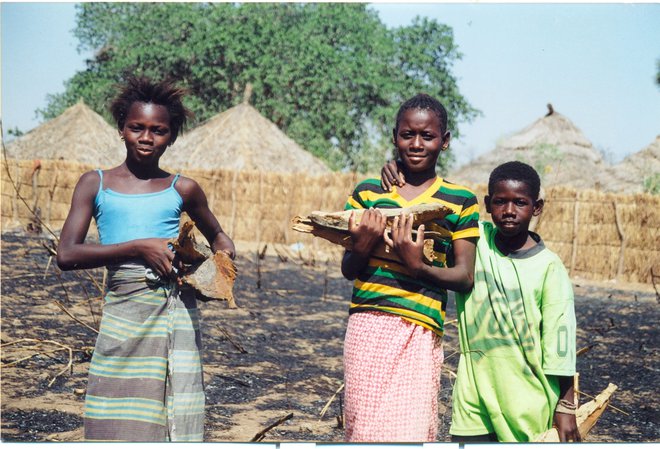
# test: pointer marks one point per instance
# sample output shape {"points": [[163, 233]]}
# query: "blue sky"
{"points": [[594, 62]]}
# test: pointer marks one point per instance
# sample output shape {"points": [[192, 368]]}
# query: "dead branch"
{"points": [[18, 194], [655, 285], [65, 310], [327, 405], [233, 379], [584, 350], [262, 253], [260, 436], [609, 405], [69, 365], [228, 337]]}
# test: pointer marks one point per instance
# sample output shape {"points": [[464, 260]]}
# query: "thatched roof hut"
{"points": [[553, 145], [241, 138], [630, 174], [78, 134]]}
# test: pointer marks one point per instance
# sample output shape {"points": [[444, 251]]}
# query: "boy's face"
{"points": [[512, 207], [420, 139]]}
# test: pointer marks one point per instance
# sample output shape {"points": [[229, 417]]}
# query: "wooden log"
{"points": [[586, 416], [343, 239], [422, 213], [333, 227]]}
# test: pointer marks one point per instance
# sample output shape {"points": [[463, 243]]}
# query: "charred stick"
{"points": [[260, 436]]}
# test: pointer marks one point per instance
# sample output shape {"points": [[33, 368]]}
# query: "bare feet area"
{"points": [[276, 361]]}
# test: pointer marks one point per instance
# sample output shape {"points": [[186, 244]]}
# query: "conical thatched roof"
{"points": [[553, 145], [241, 138], [629, 175], [78, 134]]}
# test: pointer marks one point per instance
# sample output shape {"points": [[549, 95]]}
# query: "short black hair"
{"points": [[143, 90], [423, 101], [516, 171]]}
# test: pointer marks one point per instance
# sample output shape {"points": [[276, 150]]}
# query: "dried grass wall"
{"points": [[599, 236]]}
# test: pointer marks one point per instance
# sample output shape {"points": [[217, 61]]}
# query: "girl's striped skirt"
{"points": [[145, 377]]}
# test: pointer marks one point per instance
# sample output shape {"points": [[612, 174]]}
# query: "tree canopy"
{"points": [[330, 75]]}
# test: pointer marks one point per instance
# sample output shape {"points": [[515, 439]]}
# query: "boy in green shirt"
{"points": [[517, 325]]}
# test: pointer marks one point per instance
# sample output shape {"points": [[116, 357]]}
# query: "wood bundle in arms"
{"points": [[211, 275], [333, 227]]}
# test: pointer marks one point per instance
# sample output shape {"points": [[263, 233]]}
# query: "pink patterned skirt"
{"points": [[392, 379]]}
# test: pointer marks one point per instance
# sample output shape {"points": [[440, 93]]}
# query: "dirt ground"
{"points": [[280, 354]]}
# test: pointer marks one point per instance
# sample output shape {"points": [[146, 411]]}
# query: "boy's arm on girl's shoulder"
{"points": [[196, 206]]}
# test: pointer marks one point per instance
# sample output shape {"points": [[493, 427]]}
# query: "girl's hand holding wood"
{"points": [[411, 252], [157, 255], [366, 234]]}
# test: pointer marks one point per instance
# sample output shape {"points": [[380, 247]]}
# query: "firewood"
{"points": [[333, 227], [211, 275], [586, 416]]}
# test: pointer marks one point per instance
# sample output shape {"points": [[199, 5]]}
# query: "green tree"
{"points": [[330, 75]]}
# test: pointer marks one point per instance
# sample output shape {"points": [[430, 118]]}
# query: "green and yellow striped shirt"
{"points": [[386, 286]]}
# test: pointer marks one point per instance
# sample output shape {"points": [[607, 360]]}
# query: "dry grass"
{"points": [[553, 145], [79, 134], [241, 138]]}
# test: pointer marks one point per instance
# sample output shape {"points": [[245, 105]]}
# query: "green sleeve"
{"points": [[558, 322]]}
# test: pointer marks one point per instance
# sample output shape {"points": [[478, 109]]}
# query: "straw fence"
{"points": [[599, 236]]}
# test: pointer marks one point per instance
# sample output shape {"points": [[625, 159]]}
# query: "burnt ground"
{"points": [[280, 353]]}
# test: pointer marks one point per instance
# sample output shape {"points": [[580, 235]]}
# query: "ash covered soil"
{"points": [[280, 352]]}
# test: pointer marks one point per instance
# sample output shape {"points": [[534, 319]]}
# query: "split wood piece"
{"points": [[422, 213], [214, 278], [211, 275], [333, 227], [342, 238], [586, 416], [186, 247]]}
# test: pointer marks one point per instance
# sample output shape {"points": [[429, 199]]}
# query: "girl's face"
{"points": [[146, 131], [512, 207], [420, 139]]}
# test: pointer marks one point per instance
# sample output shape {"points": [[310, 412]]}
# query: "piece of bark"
{"points": [[333, 227], [186, 247], [211, 275], [214, 278], [422, 213]]}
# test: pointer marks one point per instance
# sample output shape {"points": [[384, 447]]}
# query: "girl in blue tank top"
{"points": [[145, 381]]}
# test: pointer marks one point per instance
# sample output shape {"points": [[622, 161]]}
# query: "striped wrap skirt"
{"points": [[392, 379], [145, 377]]}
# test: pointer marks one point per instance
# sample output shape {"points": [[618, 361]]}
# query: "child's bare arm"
{"points": [[565, 422], [391, 175], [459, 278], [364, 236], [73, 253], [196, 206]]}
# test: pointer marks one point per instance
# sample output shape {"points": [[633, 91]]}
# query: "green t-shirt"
{"points": [[517, 331]]}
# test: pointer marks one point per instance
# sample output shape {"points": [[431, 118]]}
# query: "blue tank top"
{"points": [[121, 217]]}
